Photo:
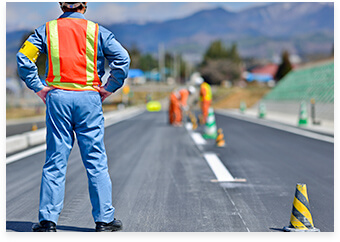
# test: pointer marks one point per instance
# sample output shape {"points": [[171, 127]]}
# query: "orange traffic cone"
{"points": [[220, 138], [301, 218]]}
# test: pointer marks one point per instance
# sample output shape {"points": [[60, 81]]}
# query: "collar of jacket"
{"points": [[72, 15]]}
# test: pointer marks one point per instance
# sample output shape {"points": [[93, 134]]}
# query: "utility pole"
{"points": [[161, 61], [175, 67], [187, 71]]}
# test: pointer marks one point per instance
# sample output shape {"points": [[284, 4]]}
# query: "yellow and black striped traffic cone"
{"points": [[301, 218], [193, 121], [194, 124], [220, 142], [200, 119]]}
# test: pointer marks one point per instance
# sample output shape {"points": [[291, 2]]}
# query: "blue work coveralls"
{"points": [[79, 112]]}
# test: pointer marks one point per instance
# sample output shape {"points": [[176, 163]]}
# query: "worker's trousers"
{"points": [[175, 115], [79, 112]]}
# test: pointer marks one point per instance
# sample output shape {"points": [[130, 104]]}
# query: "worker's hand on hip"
{"points": [[43, 93], [103, 93]]}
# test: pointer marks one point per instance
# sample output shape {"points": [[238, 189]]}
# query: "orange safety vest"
{"points": [[205, 92], [72, 54]]}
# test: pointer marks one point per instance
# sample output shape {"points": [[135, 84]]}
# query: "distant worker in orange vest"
{"points": [[76, 50], [205, 97], [178, 104]]}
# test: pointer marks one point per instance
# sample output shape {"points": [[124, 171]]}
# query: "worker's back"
{"points": [[72, 53], [205, 92]]}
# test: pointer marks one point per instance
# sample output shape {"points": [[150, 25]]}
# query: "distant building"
{"points": [[136, 76], [269, 69], [261, 74]]}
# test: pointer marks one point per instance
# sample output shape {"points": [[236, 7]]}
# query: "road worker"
{"points": [[205, 98], [179, 105], [76, 50], [175, 116]]}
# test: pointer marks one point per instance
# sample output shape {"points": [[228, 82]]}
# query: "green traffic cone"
{"points": [[303, 116], [243, 106], [262, 110], [210, 126]]}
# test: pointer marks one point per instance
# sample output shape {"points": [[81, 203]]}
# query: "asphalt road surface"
{"points": [[161, 181], [19, 128]]}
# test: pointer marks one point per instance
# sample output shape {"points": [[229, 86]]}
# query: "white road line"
{"points": [[220, 171], [25, 153], [283, 127], [197, 137], [188, 126]]}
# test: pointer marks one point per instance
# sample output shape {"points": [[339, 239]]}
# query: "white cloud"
{"points": [[29, 15], [143, 12], [107, 13]]}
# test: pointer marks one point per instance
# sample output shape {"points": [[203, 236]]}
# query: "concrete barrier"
{"points": [[16, 143], [23, 141], [36, 137]]}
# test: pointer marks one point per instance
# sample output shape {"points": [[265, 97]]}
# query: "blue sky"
{"points": [[25, 15]]}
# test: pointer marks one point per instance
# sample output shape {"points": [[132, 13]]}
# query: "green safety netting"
{"points": [[304, 84]]}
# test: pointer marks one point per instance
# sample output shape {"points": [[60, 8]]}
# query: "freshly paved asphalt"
{"points": [[161, 181], [273, 162]]}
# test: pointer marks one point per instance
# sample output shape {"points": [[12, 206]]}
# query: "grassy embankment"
{"points": [[230, 98]]}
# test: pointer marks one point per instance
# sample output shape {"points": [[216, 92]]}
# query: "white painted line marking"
{"points": [[197, 137], [282, 127], [25, 153], [188, 126], [220, 171]]}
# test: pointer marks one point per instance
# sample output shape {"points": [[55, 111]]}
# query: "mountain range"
{"points": [[265, 31], [260, 31]]}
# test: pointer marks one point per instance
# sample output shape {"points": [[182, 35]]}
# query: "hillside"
{"points": [[262, 32]]}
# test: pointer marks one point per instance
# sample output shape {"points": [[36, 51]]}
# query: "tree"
{"points": [[216, 71], [135, 55], [221, 63], [216, 51], [284, 67], [147, 62], [234, 55]]}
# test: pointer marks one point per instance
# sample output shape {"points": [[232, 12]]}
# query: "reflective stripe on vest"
{"points": [[72, 54], [207, 88]]}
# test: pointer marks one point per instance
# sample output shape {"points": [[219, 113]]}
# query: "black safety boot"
{"points": [[115, 225], [44, 226]]}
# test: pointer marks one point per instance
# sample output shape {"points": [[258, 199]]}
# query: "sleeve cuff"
{"points": [[38, 87], [111, 85]]}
